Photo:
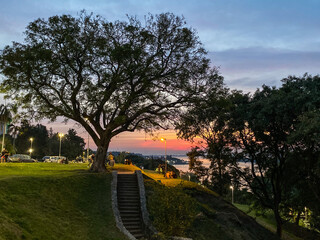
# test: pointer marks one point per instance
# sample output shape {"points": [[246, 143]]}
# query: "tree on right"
{"points": [[267, 141]]}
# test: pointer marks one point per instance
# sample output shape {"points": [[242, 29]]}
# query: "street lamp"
{"points": [[30, 150], [165, 158], [88, 148], [60, 136], [231, 187]]}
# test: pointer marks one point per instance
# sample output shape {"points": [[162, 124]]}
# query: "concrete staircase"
{"points": [[129, 204]]}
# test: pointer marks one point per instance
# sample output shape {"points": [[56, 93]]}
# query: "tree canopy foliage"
{"points": [[45, 142], [275, 132], [110, 77], [208, 121]]}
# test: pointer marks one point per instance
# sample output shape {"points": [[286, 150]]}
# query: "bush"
{"points": [[172, 211]]}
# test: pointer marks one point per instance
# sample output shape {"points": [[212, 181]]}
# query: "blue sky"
{"points": [[254, 42]]}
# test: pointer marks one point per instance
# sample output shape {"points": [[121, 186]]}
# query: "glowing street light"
{"points": [[60, 136], [231, 187], [165, 158], [30, 150]]}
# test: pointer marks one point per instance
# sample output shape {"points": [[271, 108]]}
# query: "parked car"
{"points": [[45, 158], [21, 158], [53, 158]]}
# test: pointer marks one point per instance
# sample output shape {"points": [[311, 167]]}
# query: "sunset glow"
{"points": [[143, 143]]}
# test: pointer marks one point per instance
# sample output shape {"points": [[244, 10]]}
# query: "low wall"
{"points": [[150, 230]]}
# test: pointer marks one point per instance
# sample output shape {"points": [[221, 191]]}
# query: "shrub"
{"points": [[172, 211]]}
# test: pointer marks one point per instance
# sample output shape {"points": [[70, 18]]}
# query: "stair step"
{"points": [[135, 206], [124, 183], [138, 236], [129, 211], [132, 192], [128, 186], [129, 203], [128, 195], [129, 208], [132, 224], [129, 215], [136, 231], [129, 198], [133, 227], [131, 220], [128, 190]]}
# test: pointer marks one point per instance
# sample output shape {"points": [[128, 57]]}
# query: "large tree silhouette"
{"points": [[110, 77]]}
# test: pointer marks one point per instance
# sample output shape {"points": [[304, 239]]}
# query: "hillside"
{"points": [[52, 201], [213, 218], [184, 208]]}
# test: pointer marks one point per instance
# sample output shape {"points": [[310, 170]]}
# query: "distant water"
{"points": [[185, 167], [206, 163]]}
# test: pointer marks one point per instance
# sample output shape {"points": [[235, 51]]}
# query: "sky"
{"points": [[253, 42]]}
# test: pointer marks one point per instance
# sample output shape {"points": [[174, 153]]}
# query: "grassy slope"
{"points": [[216, 218], [52, 201], [290, 230]]}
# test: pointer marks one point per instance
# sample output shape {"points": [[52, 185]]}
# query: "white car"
{"points": [[53, 158], [21, 158]]}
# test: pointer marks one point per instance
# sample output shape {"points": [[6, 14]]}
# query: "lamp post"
{"points": [[231, 187], [3, 135], [87, 120], [31, 141], [88, 148], [165, 156], [60, 136]]}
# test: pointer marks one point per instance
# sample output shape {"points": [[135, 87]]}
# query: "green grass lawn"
{"points": [[205, 217], [267, 221], [54, 201]]}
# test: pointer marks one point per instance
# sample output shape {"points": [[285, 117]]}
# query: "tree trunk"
{"points": [[98, 164], [220, 176], [298, 218], [279, 222]]}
